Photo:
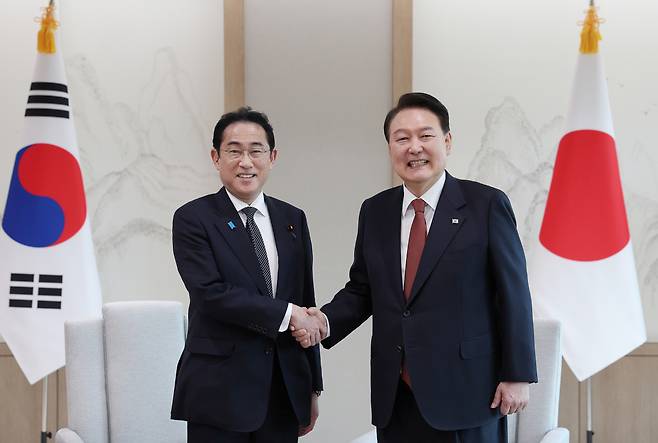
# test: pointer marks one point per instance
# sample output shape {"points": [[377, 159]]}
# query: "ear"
{"points": [[273, 155], [214, 155], [448, 142]]}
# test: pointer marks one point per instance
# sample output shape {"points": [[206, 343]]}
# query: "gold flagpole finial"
{"points": [[46, 37], [590, 36]]}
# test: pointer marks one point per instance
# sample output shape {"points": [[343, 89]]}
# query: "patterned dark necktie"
{"points": [[259, 247], [417, 237]]}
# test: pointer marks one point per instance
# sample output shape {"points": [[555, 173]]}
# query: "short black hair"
{"points": [[418, 100], [244, 114]]}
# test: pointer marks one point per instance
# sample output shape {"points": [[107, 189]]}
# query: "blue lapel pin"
{"points": [[231, 225]]}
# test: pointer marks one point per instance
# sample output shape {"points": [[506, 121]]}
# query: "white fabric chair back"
{"points": [[85, 380], [120, 373], [541, 414]]}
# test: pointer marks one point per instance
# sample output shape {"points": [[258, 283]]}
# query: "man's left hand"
{"points": [[512, 397], [315, 413]]}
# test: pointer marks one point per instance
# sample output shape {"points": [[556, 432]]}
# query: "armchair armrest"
{"points": [[65, 435], [370, 437], [557, 435]]}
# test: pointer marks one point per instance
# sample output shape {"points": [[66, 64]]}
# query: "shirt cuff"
{"points": [[286, 319], [326, 319]]}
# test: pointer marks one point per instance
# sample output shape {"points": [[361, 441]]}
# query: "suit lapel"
{"points": [[390, 241], [232, 229], [441, 232], [285, 239]]}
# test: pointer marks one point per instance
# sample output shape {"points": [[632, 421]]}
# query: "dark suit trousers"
{"points": [[407, 425], [280, 422]]}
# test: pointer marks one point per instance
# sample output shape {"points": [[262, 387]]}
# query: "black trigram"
{"points": [[48, 100], [48, 291]]}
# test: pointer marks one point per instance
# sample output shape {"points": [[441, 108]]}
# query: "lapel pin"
{"points": [[455, 221], [291, 229], [231, 225]]}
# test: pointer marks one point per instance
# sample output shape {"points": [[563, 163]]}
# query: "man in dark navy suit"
{"points": [[439, 265], [246, 260]]}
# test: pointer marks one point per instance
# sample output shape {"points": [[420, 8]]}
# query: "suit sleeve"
{"points": [[352, 305], [512, 294], [313, 352], [209, 290]]}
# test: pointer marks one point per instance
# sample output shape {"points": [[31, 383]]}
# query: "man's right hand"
{"points": [[308, 326]]}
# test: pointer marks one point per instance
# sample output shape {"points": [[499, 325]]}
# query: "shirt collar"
{"points": [[430, 197], [259, 203]]}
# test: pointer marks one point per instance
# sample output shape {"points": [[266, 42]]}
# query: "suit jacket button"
{"points": [[398, 348], [406, 314], [268, 351]]}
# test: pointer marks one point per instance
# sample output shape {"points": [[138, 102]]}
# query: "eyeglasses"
{"points": [[237, 154]]}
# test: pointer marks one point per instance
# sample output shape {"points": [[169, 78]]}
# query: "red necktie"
{"points": [[417, 238]]}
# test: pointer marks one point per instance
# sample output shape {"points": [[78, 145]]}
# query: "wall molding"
{"points": [[402, 60], [234, 55], [402, 47]]}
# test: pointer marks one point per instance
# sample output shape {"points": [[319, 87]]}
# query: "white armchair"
{"points": [[538, 423], [120, 374]]}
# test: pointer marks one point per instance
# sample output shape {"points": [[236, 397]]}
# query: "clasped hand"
{"points": [[307, 325]]}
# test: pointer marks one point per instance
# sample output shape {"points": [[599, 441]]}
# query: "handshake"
{"points": [[308, 325]]}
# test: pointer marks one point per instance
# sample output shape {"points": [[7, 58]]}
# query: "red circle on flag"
{"points": [[585, 217], [51, 171]]}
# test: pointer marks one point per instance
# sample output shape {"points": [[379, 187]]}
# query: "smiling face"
{"points": [[418, 148], [243, 166]]}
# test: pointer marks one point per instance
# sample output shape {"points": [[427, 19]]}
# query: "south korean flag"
{"points": [[47, 267]]}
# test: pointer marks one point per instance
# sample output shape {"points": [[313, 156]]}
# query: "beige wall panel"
{"points": [[322, 72], [569, 416], [625, 401], [20, 404]]}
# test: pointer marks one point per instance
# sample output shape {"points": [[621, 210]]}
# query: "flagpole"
{"points": [[590, 432], [45, 435]]}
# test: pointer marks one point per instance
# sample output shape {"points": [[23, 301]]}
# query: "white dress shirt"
{"points": [[431, 199], [264, 223]]}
